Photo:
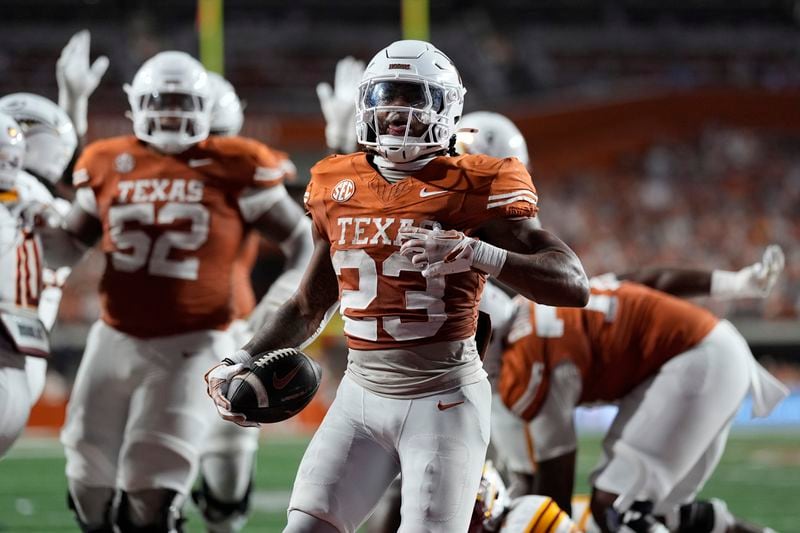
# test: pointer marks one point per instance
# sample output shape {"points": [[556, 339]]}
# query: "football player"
{"points": [[677, 373], [170, 207], [496, 511], [489, 133], [394, 232], [23, 336], [228, 457]]}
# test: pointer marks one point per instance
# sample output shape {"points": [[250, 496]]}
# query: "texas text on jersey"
{"points": [[385, 301], [172, 226]]}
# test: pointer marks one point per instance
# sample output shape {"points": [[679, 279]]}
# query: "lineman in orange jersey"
{"points": [[170, 208], [678, 375], [391, 230]]}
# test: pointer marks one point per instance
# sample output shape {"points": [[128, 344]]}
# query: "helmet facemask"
{"points": [[170, 121], [404, 118]]}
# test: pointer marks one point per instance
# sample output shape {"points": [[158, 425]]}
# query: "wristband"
{"points": [[488, 258], [241, 356], [725, 283]]}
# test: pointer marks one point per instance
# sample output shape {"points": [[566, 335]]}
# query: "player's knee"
{"points": [[221, 516], [704, 517], [91, 507], [300, 522], [149, 511]]}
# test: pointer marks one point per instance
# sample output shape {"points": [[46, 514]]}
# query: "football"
{"points": [[278, 386]]}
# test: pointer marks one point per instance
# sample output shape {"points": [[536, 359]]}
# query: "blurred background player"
{"points": [[228, 458], [171, 207], [414, 391], [24, 341], [679, 375]]}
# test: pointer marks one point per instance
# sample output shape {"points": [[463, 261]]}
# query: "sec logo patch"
{"points": [[344, 190]]}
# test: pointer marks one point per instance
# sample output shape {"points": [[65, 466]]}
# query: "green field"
{"points": [[759, 477]]}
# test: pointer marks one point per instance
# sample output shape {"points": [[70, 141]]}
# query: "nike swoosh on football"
{"points": [[280, 383], [424, 194], [445, 406], [199, 162]]}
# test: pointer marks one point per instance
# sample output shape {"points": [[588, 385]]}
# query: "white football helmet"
{"points": [[170, 99], [12, 151], [409, 101], [497, 136], [493, 499], [227, 114], [49, 134]]}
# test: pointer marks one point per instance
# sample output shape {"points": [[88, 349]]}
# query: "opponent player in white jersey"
{"points": [[23, 337], [391, 231], [228, 456], [170, 206]]}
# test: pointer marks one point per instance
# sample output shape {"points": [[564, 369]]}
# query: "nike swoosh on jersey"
{"points": [[280, 383], [194, 163], [445, 406], [424, 194]]}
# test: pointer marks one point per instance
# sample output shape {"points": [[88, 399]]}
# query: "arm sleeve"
{"points": [[85, 181], [266, 170], [512, 194]]}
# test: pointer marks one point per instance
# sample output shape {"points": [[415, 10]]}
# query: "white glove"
{"points": [[218, 380], [77, 80], [339, 104], [754, 281], [441, 252]]}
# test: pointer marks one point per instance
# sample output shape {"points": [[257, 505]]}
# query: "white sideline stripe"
{"points": [[520, 198], [271, 501], [512, 193]]}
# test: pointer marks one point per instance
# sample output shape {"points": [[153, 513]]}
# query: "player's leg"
{"points": [[168, 422], [693, 396], [513, 448], [96, 416], [226, 465], [386, 517], [15, 403], [350, 461], [442, 450], [226, 472], [36, 374]]}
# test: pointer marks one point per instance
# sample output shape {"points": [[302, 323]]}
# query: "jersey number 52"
{"points": [[135, 248]]}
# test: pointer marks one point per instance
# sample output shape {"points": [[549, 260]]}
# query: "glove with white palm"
{"points": [[442, 252], [339, 105], [77, 80], [754, 281], [218, 381]]}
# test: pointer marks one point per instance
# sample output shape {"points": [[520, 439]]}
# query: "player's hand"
{"points": [[438, 252], [760, 278], [77, 79], [339, 104], [218, 380], [39, 216]]}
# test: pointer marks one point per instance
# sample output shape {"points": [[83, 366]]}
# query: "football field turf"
{"points": [[759, 477]]}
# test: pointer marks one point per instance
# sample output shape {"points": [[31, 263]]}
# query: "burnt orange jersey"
{"points": [[385, 300], [623, 336], [172, 227]]}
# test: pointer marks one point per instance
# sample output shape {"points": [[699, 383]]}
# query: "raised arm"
{"points": [[753, 281]]}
